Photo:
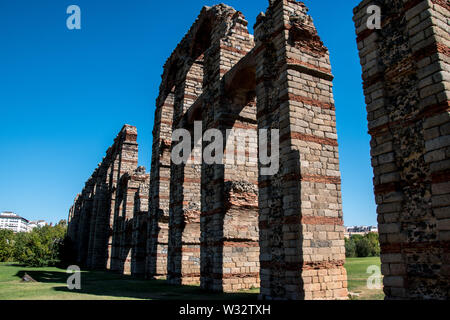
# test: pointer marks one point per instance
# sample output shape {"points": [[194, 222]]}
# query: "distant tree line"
{"points": [[362, 246], [43, 246]]}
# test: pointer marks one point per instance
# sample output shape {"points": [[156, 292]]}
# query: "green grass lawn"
{"points": [[101, 285], [357, 278], [97, 285]]}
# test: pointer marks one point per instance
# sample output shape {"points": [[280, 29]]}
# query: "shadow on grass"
{"points": [[106, 283], [14, 264]]}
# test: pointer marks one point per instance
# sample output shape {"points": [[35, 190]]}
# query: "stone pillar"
{"points": [[95, 217], [100, 244], [127, 155], [229, 251], [184, 223], [85, 223], [129, 186], [74, 222], [73, 229], [128, 194], [113, 177], [300, 208], [140, 229], [158, 222], [406, 77]]}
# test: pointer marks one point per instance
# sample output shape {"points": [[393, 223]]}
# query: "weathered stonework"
{"points": [[228, 226], [300, 208], [131, 223], [406, 77], [285, 231], [113, 203], [140, 224]]}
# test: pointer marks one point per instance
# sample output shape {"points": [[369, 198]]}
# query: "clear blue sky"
{"points": [[64, 95]]}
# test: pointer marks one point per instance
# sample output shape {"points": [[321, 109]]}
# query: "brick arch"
{"points": [[240, 82], [182, 84], [94, 215], [230, 232], [194, 44], [300, 212], [299, 208]]}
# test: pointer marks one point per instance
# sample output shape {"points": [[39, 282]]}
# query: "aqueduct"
{"points": [[230, 227]]}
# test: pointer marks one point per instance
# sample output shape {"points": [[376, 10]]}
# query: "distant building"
{"points": [[11, 221], [361, 230], [14, 222], [35, 224]]}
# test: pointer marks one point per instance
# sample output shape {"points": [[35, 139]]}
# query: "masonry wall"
{"points": [[184, 209], [284, 230], [406, 83], [230, 252], [159, 193], [130, 219], [300, 210], [227, 225], [140, 227], [100, 221]]}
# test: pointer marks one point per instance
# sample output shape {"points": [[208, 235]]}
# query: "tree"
{"points": [[357, 237], [6, 245], [363, 247], [350, 248], [41, 246], [374, 244]]}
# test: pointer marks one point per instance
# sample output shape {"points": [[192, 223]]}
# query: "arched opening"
{"points": [[139, 251], [159, 198], [185, 186], [126, 246], [230, 232]]}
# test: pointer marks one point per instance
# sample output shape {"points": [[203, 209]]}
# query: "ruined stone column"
{"points": [[158, 225], [407, 87], [184, 222], [229, 252], [73, 222], [300, 208], [100, 253], [113, 178], [85, 223], [140, 228], [93, 255], [126, 194], [127, 155], [95, 223]]}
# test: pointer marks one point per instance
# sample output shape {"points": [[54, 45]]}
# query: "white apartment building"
{"points": [[14, 222], [361, 230], [35, 224]]}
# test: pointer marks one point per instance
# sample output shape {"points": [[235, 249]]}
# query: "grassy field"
{"points": [[99, 285], [357, 278], [96, 285]]}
